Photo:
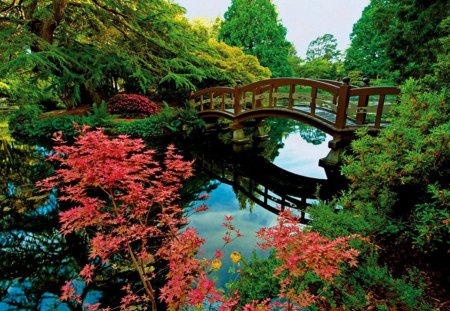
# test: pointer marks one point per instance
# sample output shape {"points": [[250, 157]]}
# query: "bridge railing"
{"points": [[339, 105]]}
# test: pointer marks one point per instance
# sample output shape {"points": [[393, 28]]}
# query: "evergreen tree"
{"points": [[85, 51], [254, 26], [366, 53], [411, 31]]}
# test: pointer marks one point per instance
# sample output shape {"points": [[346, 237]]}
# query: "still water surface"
{"points": [[35, 260], [297, 156]]}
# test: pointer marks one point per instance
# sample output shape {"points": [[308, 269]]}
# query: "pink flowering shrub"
{"points": [[132, 105]]}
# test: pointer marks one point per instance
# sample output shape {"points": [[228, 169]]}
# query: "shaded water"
{"points": [[250, 184]]}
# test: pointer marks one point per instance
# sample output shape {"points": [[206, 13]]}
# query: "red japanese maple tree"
{"points": [[127, 201]]}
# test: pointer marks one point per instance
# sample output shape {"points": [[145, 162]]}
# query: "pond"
{"points": [[249, 182]]}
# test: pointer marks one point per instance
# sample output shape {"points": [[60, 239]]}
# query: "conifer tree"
{"points": [[254, 26]]}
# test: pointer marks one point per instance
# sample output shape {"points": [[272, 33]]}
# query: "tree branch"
{"points": [[8, 7], [104, 7]]}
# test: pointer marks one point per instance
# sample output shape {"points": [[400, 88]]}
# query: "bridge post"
{"points": [[237, 98], [261, 130], [239, 134], [362, 104], [341, 113], [331, 163]]}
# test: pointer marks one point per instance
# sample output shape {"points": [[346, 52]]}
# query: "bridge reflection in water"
{"points": [[262, 182]]}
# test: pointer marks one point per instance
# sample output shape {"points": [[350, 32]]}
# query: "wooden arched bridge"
{"points": [[334, 107]]}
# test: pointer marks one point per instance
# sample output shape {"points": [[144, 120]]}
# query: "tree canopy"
{"points": [[323, 59], [83, 51], [366, 52], [403, 38], [254, 26], [324, 47]]}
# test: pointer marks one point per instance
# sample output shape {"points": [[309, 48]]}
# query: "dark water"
{"points": [[248, 182]]}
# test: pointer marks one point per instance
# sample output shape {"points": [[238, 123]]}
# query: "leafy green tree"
{"points": [[442, 66], [320, 68], [254, 26], [366, 52], [410, 34], [294, 61], [231, 61], [86, 51], [324, 47], [400, 39], [322, 59]]}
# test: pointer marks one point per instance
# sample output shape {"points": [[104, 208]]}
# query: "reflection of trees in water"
{"points": [[35, 259], [281, 128], [244, 201], [31, 258]]}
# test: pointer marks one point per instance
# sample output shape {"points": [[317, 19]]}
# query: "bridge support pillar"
{"points": [[331, 163], [239, 136], [261, 130]]}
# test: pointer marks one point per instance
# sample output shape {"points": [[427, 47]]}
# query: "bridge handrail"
{"points": [[278, 82], [232, 103], [380, 90], [216, 89]]}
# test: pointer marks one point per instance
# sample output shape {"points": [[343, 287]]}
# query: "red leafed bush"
{"points": [[131, 105]]}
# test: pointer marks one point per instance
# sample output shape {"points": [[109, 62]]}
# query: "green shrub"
{"points": [[391, 172], [169, 120], [334, 223], [387, 292], [256, 281], [26, 126]]}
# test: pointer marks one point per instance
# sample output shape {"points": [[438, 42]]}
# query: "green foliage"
{"points": [[255, 27], [256, 280], [322, 59], [227, 63], [396, 182], [387, 292], [432, 220], [321, 68], [25, 124], [324, 47], [333, 223], [400, 39], [4, 89], [89, 52], [366, 53], [167, 121]]}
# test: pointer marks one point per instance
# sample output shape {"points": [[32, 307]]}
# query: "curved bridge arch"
{"points": [[334, 107], [264, 183]]}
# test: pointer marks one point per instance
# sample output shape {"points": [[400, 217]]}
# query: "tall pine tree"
{"points": [[254, 26]]}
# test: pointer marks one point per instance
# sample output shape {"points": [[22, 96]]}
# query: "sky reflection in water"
{"points": [[297, 156]]}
